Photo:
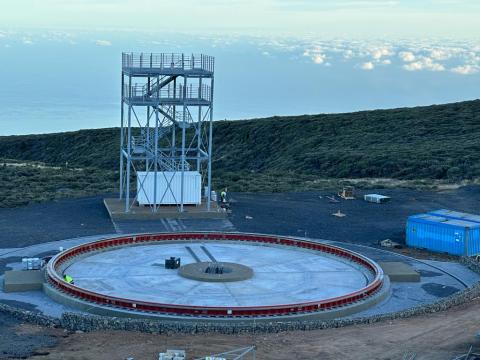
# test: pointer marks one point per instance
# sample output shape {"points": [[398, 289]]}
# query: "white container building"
{"points": [[169, 188]]}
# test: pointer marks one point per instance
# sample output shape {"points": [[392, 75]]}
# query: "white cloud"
{"points": [[367, 66], [440, 54], [27, 41], [407, 56], [103, 43], [377, 54], [466, 69], [386, 62], [319, 58], [424, 63], [317, 52], [436, 67], [348, 54], [414, 66]]}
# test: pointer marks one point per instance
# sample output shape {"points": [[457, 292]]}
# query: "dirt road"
{"points": [[437, 336]]}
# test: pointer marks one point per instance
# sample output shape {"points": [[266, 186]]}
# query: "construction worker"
{"points": [[223, 195], [68, 279]]}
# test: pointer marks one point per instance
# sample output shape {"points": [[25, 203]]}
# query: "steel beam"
{"points": [[209, 169]]}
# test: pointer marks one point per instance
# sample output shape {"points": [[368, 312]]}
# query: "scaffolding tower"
{"points": [[166, 126]]}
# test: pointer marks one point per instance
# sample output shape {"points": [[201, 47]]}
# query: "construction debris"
{"points": [[172, 355], [409, 356], [332, 199], [470, 355], [32, 263], [376, 198], [237, 354], [390, 244], [347, 193], [339, 214]]}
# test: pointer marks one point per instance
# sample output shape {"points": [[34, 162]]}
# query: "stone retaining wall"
{"points": [[87, 323], [75, 321], [33, 317], [470, 263]]}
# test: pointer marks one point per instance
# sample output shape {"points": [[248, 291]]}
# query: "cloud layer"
{"points": [[437, 55], [459, 57]]}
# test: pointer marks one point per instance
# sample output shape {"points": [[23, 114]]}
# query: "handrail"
{"points": [[190, 92], [168, 61]]}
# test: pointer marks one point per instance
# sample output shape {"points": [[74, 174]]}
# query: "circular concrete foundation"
{"points": [[222, 277]]}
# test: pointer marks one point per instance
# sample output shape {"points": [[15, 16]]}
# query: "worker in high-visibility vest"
{"points": [[68, 279], [223, 195]]}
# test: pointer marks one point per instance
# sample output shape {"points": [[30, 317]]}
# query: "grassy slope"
{"points": [[426, 142], [433, 142]]}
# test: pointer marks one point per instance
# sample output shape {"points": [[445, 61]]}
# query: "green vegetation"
{"points": [[419, 146], [23, 183]]}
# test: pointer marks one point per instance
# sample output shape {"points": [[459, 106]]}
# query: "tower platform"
{"points": [[116, 211]]}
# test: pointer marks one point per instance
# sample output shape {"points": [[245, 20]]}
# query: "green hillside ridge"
{"points": [[439, 142]]}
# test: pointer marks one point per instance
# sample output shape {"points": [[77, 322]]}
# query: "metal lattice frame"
{"points": [[164, 95]]}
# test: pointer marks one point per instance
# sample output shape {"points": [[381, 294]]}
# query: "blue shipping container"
{"points": [[441, 234], [450, 214]]}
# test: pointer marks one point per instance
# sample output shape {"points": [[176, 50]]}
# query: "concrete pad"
{"points": [[23, 280], [399, 271], [116, 210], [407, 294], [281, 275]]}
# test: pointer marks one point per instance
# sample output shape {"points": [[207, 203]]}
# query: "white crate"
{"points": [[169, 188]]}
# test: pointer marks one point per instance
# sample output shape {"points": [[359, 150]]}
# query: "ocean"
{"points": [[55, 81]]}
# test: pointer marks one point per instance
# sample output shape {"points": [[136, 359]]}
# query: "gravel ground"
{"points": [[16, 343], [56, 220], [294, 214], [298, 213], [441, 335]]}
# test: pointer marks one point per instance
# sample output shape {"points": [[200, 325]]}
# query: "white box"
{"points": [[169, 187], [376, 198]]}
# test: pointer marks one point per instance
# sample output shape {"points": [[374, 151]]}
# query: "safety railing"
{"points": [[177, 115], [172, 61], [55, 279], [168, 92]]}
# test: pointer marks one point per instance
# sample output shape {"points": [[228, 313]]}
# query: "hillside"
{"points": [[434, 142]]}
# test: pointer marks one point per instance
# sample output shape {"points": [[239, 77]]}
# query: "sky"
{"points": [[453, 18], [61, 59]]}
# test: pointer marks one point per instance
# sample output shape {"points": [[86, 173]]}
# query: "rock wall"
{"points": [[75, 321], [32, 317]]}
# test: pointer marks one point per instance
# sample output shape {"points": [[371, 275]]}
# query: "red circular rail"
{"points": [[56, 280]]}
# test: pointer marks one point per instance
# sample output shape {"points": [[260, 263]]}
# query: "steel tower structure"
{"points": [[166, 122]]}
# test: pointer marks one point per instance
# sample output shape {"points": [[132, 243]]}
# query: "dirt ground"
{"points": [[436, 336], [306, 214]]}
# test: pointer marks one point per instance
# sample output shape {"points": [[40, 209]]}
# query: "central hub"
{"points": [[216, 271]]}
